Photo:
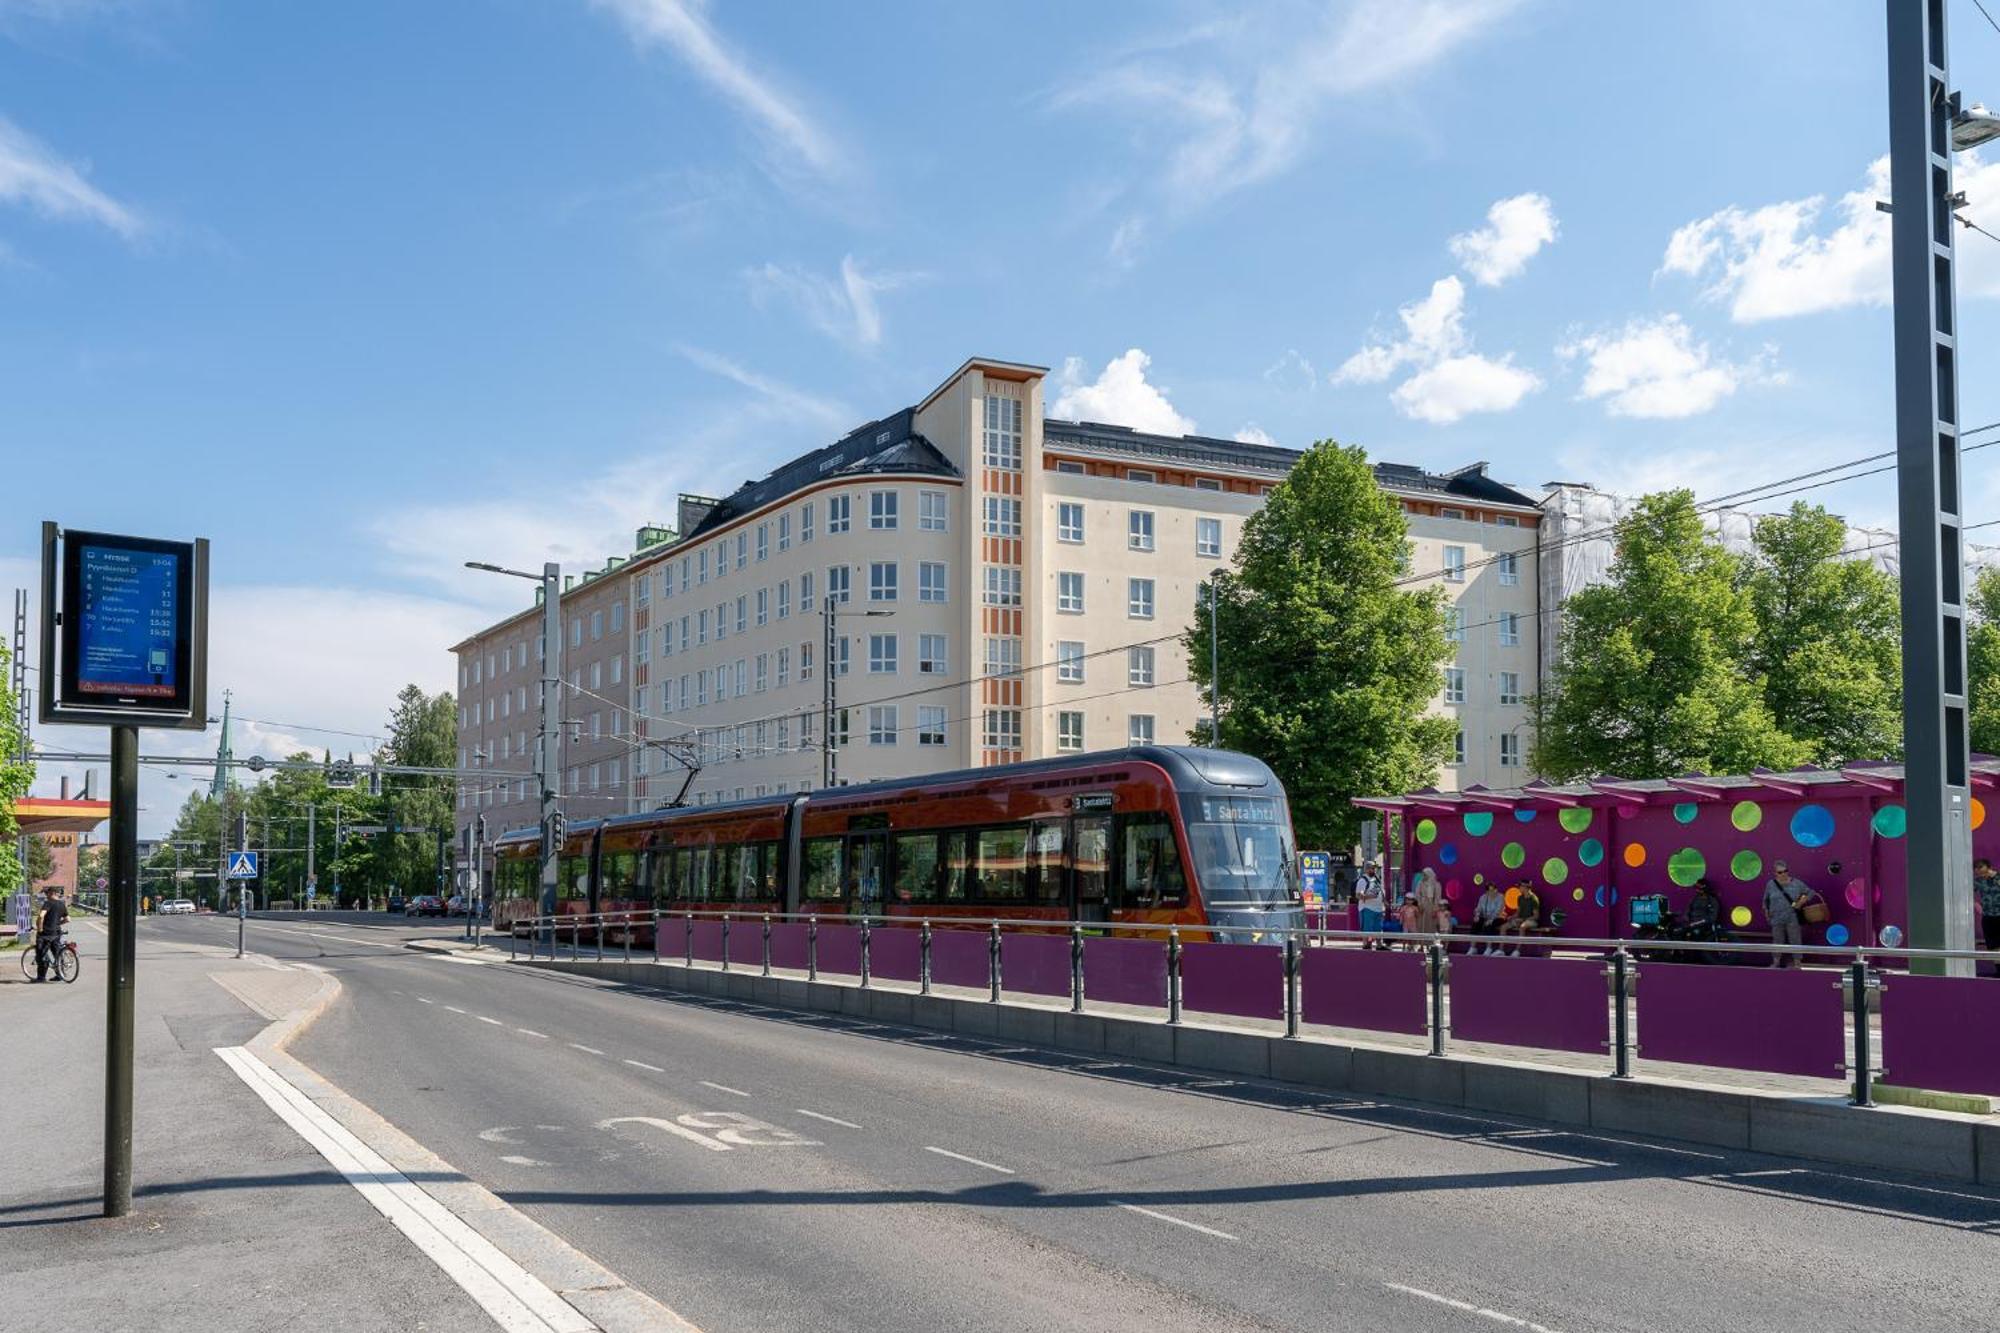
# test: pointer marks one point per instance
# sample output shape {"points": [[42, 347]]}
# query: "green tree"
{"points": [[1829, 639], [1651, 682], [16, 776], [1982, 662], [92, 864], [423, 733], [41, 861], [1327, 662]]}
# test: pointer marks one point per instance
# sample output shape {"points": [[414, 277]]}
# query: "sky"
{"points": [[363, 291]]}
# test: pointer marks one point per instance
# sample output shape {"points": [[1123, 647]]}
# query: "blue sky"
{"points": [[344, 286]]}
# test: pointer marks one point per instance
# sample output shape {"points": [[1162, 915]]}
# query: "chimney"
{"points": [[65, 787]]}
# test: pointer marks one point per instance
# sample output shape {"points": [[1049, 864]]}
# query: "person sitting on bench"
{"points": [[1526, 918]]}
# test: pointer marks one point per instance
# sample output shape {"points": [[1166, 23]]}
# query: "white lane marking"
{"points": [[1497, 1316], [587, 1050], [515, 1298], [425, 1000], [455, 1009], [830, 1119], [494, 1021], [395, 992], [724, 1087], [1177, 1221], [745, 1131], [530, 1032], [498, 1134], [959, 1156], [683, 1131], [641, 1064], [521, 1161], [1361, 1103], [1858, 1180], [1212, 1083]]}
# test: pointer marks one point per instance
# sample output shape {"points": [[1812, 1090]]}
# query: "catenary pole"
{"points": [[548, 754]]}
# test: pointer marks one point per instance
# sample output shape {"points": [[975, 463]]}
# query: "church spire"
{"points": [[223, 754]]}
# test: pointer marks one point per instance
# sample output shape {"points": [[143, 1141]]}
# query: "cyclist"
{"points": [[49, 923]]}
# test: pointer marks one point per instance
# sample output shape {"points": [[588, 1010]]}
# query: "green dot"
{"points": [[1512, 855], [1591, 852], [1746, 815], [1685, 812], [1686, 866], [1746, 865], [1479, 823], [1575, 819], [1554, 871], [1427, 831], [1891, 821]]}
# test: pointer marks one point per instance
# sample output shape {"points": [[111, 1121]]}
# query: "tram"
{"points": [[1155, 834]]}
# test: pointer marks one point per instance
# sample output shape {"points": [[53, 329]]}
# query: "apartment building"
{"points": [[983, 584]]}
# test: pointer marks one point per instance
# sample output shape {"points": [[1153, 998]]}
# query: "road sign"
{"points": [[364, 830], [340, 775], [1312, 878], [243, 865]]}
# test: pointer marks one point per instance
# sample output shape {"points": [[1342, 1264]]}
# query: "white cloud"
{"points": [[1458, 386], [1433, 328], [683, 27], [1292, 373], [1779, 261], [1516, 229], [846, 309], [1128, 239], [32, 174], [1120, 396], [1657, 369], [1254, 434]]}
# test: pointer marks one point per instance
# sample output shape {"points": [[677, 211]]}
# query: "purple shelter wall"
{"points": [[896, 954]]}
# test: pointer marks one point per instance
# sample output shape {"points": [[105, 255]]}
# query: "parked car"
{"points": [[425, 904], [396, 903], [175, 907], [458, 904]]}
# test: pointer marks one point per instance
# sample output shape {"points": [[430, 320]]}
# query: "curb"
{"points": [[446, 948]]}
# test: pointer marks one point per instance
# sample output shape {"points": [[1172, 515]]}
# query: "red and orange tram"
{"points": [[1157, 834]]}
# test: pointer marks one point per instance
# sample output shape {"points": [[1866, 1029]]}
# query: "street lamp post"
{"points": [[548, 734], [829, 692]]}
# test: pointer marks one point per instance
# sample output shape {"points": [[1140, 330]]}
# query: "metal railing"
{"points": [[1861, 967]]}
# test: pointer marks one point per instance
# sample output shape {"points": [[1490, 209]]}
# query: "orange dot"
{"points": [[1978, 812], [1512, 899], [1635, 854]]}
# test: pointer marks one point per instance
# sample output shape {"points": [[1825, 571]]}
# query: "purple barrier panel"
{"points": [[788, 945], [1556, 1004], [708, 941], [895, 954], [1124, 971], [1247, 980], [1784, 1021], [1035, 964], [670, 939], [960, 958], [1360, 988], [839, 950], [1937, 1033], [746, 941]]}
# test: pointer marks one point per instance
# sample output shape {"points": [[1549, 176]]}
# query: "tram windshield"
{"points": [[1243, 851]]}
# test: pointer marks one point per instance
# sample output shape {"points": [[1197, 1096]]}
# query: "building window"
{"points": [[1510, 751], [1451, 513], [763, 605], [700, 689], [784, 599], [1003, 656], [1207, 484], [701, 566], [882, 581], [1139, 729], [742, 548], [805, 522], [806, 593], [882, 654], [1139, 474], [805, 661], [1069, 593], [1071, 467], [930, 581], [837, 586], [930, 725], [596, 683], [1458, 749], [618, 617], [763, 672], [1003, 433], [1003, 516], [642, 648], [742, 674], [1069, 523], [684, 692], [1510, 687], [784, 667], [1138, 666], [784, 532], [1001, 729], [721, 622], [618, 668], [763, 541], [1139, 599], [1454, 685], [1510, 569], [838, 513], [1454, 624], [932, 511], [1003, 586], [1510, 629], [743, 614], [931, 655], [1454, 564], [1208, 538], [882, 724], [596, 626], [1506, 521], [840, 660], [722, 557], [575, 641], [1139, 530], [1069, 732], [1069, 662], [684, 634], [882, 510]]}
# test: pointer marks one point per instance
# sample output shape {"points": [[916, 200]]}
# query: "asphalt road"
{"points": [[758, 1170]]}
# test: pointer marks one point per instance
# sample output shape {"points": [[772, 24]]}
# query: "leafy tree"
{"points": [[15, 779], [1327, 663], [41, 861], [1982, 662], [92, 864], [1651, 681], [1829, 639], [423, 733]]}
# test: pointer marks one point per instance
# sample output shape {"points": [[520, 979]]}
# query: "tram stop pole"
{"points": [[121, 975]]}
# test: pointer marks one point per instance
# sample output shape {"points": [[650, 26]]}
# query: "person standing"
{"points": [[1370, 903], [49, 923], [1782, 893], [1986, 887]]}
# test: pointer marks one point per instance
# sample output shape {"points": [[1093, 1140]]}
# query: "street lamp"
{"points": [[1971, 128], [830, 611], [548, 734]]}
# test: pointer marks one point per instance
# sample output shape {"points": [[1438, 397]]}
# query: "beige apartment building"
{"points": [[984, 584]]}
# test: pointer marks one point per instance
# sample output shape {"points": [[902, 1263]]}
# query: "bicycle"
{"points": [[67, 962]]}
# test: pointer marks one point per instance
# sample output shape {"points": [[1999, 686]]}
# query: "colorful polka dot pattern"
{"points": [[1427, 831], [1554, 871], [1891, 821], [1575, 819], [1686, 866], [1812, 826], [1479, 823], [1685, 812], [1746, 816], [1746, 865], [1512, 855]]}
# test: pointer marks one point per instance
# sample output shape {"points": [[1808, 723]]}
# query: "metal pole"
{"points": [[828, 612], [120, 977], [548, 753], [767, 945], [312, 841], [1214, 666], [1929, 506], [1173, 974], [1621, 1021], [1436, 952], [1857, 977], [337, 814], [725, 949], [924, 960], [866, 933], [1076, 969], [812, 949], [1291, 985], [993, 964]]}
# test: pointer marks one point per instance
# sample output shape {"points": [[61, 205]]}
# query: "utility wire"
{"points": [[1986, 14]]}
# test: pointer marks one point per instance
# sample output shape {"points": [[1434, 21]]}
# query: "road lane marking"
{"points": [[516, 1160], [724, 1087], [455, 1009], [530, 1032], [830, 1119], [1497, 1316], [733, 1127], [1177, 1221], [713, 1145], [425, 1000], [641, 1064], [587, 1050], [494, 1021], [959, 1156]]}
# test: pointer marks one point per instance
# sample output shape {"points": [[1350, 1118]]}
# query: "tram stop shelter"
{"points": [[61, 823]]}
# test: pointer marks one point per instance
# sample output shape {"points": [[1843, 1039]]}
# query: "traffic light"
{"points": [[479, 831], [374, 782], [242, 829], [558, 828]]}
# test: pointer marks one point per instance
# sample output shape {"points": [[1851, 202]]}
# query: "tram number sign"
{"points": [[1312, 878]]}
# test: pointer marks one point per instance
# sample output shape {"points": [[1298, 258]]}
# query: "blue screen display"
{"points": [[128, 620]]}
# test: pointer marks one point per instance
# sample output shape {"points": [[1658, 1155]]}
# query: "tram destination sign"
{"points": [[124, 630]]}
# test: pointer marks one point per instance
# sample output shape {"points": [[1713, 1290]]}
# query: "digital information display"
{"points": [[127, 642], [128, 622]]}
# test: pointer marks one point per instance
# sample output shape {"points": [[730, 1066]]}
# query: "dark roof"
{"points": [[1173, 448], [1466, 483], [889, 445]]}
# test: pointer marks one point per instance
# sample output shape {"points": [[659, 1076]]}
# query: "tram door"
{"points": [[1090, 867], [867, 870]]}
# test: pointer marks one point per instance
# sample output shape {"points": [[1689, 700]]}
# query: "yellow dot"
{"points": [[1739, 916]]}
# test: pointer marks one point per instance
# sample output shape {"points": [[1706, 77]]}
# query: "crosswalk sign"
{"points": [[243, 865]]}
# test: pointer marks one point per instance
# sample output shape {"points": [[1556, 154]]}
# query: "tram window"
{"points": [[1090, 859], [865, 869], [573, 877], [662, 875], [822, 869], [701, 874], [1045, 858], [1152, 864], [1001, 858], [619, 875], [916, 868], [957, 867]]}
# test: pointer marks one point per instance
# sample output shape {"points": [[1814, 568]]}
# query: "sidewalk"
{"points": [[237, 1223]]}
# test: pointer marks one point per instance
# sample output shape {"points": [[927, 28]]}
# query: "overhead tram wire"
{"points": [[1986, 14]]}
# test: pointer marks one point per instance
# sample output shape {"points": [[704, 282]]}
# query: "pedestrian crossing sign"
{"points": [[243, 865]]}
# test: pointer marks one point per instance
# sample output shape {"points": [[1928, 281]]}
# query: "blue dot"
{"points": [[1812, 826], [1448, 854], [1836, 935], [1600, 895], [1525, 816]]}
